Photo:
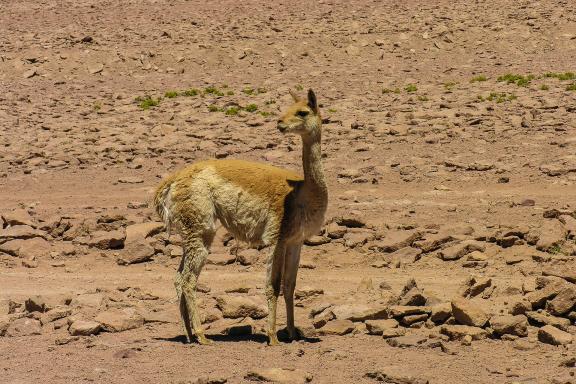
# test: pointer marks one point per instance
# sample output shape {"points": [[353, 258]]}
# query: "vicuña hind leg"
{"points": [[273, 281], [291, 263], [195, 254]]}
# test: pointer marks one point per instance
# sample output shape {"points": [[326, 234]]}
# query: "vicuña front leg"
{"points": [[291, 263], [273, 280]]}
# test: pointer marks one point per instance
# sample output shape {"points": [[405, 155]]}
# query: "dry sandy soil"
{"points": [[439, 171]]}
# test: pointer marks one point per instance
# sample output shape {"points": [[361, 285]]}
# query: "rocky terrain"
{"points": [[449, 249]]}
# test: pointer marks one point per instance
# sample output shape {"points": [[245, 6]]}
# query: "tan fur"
{"points": [[257, 203]]}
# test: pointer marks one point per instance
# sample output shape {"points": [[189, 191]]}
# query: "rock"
{"points": [[393, 332], [29, 73], [337, 327], [306, 292], [568, 274], [210, 380], [457, 332], [55, 314], [406, 341], [467, 313], [18, 217], [433, 242], [359, 312], [24, 327], [543, 318], [36, 303], [92, 300], [395, 375], [511, 325], [84, 328], [221, 259], [232, 327], [323, 317], [376, 327], [396, 240], [241, 306], [406, 255], [365, 285], [353, 220], [441, 312], [136, 252], [317, 240], [335, 231], [403, 310], [4, 324], [551, 234], [520, 307], [248, 256], [108, 240], [22, 232], [479, 286], [564, 301], [523, 345], [95, 68], [461, 249], [539, 297], [551, 335], [30, 248], [136, 233], [414, 297], [118, 320], [279, 375]]}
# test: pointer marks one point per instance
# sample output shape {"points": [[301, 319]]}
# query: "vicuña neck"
{"points": [[312, 164]]}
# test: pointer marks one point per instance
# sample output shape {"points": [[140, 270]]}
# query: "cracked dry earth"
{"points": [[448, 254]]}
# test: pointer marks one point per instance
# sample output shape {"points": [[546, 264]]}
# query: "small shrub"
{"points": [[410, 88], [147, 102], [561, 76], [519, 80], [232, 111], [191, 92], [571, 87], [299, 87], [213, 108], [248, 91], [450, 85], [213, 91], [423, 98], [544, 87], [230, 93], [478, 78], [171, 94], [265, 113], [388, 90], [251, 108]]}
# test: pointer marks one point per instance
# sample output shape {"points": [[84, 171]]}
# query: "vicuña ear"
{"points": [[294, 96], [312, 103]]}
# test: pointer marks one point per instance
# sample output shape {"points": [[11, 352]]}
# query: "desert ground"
{"points": [[448, 253]]}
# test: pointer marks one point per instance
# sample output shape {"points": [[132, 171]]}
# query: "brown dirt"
{"points": [[435, 159]]}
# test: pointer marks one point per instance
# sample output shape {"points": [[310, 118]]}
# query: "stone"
{"points": [[539, 297], [335, 231], [520, 307], [414, 297], [468, 313], [108, 240], [480, 285], [136, 233], [523, 345], [92, 300], [95, 68], [457, 332], [337, 327], [407, 341], [248, 256], [404, 310], [322, 318], [564, 301], [279, 375], [84, 328], [406, 255], [307, 292], [511, 325], [55, 314], [136, 252], [36, 303], [377, 327], [242, 306], [568, 274], [461, 249], [359, 312], [544, 318], [20, 232], [24, 327], [395, 375], [18, 217], [441, 312], [393, 332], [551, 335], [317, 240], [396, 240], [118, 320], [433, 242], [352, 220], [551, 233]]}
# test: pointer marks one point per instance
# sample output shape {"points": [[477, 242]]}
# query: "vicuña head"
{"points": [[303, 117], [257, 203]]}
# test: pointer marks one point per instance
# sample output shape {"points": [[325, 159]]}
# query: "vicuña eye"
{"points": [[302, 113]]}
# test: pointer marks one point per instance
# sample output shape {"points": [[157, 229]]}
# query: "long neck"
{"points": [[312, 164]]}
